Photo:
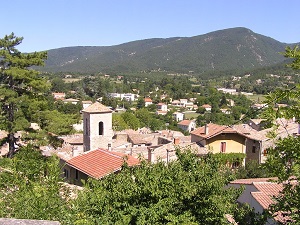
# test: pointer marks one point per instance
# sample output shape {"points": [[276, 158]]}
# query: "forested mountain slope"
{"points": [[229, 49]]}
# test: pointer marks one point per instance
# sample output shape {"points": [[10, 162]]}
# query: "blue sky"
{"points": [[49, 24]]}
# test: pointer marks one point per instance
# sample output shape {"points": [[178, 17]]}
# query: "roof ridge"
{"points": [[111, 153]]}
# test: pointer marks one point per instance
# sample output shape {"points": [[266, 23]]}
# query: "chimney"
{"points": [[109, 146], [176, 141], [206, 129]]}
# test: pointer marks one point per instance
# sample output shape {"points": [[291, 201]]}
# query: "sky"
{"points": [[50, 24]]}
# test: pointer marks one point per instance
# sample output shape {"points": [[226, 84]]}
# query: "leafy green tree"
{"points": [[118, 122], [156, 124], [131, 120], [144, 116], [187, 191], [284, 160], [56, 122], [252, 169], [140, 103], [17, 80], [31, 187]]}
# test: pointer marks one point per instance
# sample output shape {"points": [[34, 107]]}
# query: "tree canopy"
{"points": [[17, 81], [284, 160]]}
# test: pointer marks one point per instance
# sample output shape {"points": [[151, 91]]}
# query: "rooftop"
{"points": [[99, 163], [97, 107], [185, 122], [213, 130]]}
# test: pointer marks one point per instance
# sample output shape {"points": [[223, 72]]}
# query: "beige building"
{"points": [[219, 139], [97, 125]]}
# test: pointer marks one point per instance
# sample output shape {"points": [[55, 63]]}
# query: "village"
{"points": [[131, 143], [99, 150]]}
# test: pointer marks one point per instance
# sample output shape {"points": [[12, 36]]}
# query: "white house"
{"points": [[148, 101], [187, 125], [178, 116], [162, 107]]}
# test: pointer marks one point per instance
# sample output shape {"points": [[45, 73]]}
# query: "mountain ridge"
{"points": [[229, 49]]}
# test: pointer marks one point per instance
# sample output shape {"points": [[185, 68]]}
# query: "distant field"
{"points": [[190, 115], [256, 98], [70, 80]]}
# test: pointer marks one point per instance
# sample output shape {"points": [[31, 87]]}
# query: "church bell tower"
{"points": [[97, 127]]}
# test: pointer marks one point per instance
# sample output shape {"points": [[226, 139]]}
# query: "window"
{"points": [[223, 147], [86, 127], [100, 128], [76, 175], [253, 149]]}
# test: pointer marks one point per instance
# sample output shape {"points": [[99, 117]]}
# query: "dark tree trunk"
{"points": [[11, 138], [11, 145]]}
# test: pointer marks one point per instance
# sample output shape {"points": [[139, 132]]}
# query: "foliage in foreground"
{"points": [[187, 191], [284, 160]]}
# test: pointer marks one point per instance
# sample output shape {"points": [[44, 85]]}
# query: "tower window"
{"points": [[86, 127], [100, 128]]}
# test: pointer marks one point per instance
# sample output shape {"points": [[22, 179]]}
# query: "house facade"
{"points": [[162, 107], [148, 101], [259, 193], [178, 116], [187, 125], [219, 139]]}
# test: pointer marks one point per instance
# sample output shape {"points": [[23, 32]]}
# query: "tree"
{"points": [[31, 187], [187, 191], [140, 103], [18, 80], [131, 120], [118, 122], [284, 160]]}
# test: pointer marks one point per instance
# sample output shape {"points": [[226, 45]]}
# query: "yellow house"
{"points": [[219, 139]]}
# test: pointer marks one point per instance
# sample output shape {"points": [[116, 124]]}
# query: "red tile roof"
{"points": [[206, 106], [148, 100], [185, 122], [266, 192], [213, 130], [99, 163]]}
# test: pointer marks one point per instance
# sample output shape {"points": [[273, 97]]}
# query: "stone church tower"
{"points": [[97, 127]]}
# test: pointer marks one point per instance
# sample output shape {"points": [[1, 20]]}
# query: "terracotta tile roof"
{"points": [[206, 106], [148, 100], [185, 122], [213, 130], [99, 163], [97, 107], [266, 192]]}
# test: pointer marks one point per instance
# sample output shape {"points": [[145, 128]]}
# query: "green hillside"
{"points": [[230, 49]]}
